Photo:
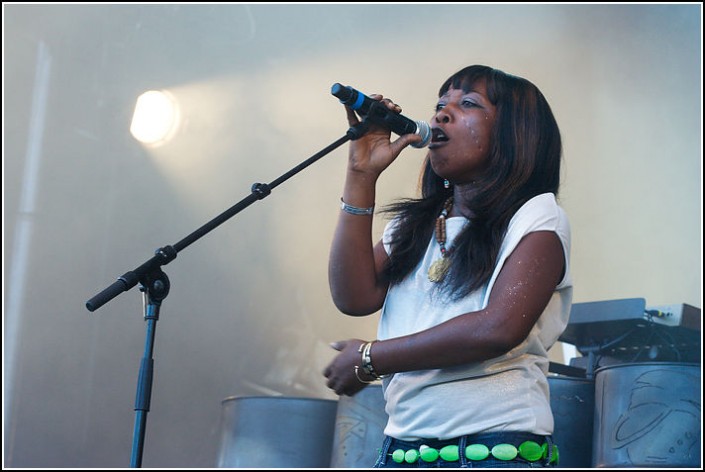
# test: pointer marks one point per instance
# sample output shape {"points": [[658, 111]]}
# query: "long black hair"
{"points": [[524, 162]]}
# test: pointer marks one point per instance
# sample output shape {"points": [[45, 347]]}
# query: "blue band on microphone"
{"points": [[359, 101]]}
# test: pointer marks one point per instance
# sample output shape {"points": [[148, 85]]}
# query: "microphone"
{"points": [[381, 115]]}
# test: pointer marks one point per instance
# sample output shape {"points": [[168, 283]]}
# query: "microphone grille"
{"points": [[423, 129]]}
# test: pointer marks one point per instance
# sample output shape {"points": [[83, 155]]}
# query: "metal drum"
{"points": [[359, 429], [647, 415], [573, 406], [276, 432]]}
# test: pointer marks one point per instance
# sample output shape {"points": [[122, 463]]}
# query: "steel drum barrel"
{"points": [[276, 432], [359, 429], [647, 415], [572, 404]]}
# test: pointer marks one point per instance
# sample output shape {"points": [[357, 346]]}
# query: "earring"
{"points": [[446, 183]]}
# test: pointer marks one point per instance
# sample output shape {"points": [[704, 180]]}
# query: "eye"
{"points": [[439, 107], [467, 103]]}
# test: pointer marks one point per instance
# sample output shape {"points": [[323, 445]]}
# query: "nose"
{"points": [[442, 115]]}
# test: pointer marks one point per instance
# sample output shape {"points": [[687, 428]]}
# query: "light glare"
{"points": [[156, 118]]}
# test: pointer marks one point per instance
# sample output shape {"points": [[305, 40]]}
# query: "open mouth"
{"points": [[438, 137]]}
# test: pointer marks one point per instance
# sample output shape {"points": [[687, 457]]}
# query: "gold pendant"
{"points": [[438, 269]]}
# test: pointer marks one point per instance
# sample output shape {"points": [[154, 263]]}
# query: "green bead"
{"points": [[504, 452], [477, 452], [554, 456], [450, 453], [428, 454], [398, 456], [411, 456], [530, 450]]}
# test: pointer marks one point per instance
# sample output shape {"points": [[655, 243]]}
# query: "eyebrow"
{"points": [[465, 93]]}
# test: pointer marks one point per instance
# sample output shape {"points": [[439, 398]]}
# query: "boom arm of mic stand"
{"points": [[167, 254]]}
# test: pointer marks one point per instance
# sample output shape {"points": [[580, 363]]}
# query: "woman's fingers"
{"points": [[352, 116]]}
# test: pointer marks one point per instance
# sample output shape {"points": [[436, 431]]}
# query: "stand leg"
{"points": [[154, 289]]}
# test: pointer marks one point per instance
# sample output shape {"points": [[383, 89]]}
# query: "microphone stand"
{"points": [[154, 284]]}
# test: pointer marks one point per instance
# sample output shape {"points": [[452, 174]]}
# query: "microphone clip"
{"points": [[359, 130]]}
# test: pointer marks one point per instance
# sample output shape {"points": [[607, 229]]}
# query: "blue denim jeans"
{"points": [[390, 444]]}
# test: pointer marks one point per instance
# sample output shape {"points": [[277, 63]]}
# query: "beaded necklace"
{"points": [[438, 269]]}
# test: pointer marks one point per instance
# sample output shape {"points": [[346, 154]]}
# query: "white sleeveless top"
{"points": [[507, 393]]}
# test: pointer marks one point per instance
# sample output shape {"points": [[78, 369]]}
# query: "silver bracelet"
{"points": [[353, 210], [357, 374], [366, 361]]}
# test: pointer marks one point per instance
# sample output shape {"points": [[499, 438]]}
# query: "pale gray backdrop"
{"points": [[249, 312]]}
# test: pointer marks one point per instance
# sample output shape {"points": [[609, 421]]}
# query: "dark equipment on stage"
{"points": [[627, 331]]}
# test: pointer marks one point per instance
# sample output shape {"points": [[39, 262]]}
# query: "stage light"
{"points": [[156, 118]]}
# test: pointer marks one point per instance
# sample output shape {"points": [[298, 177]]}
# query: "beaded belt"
{"points": [[528, 450]]}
